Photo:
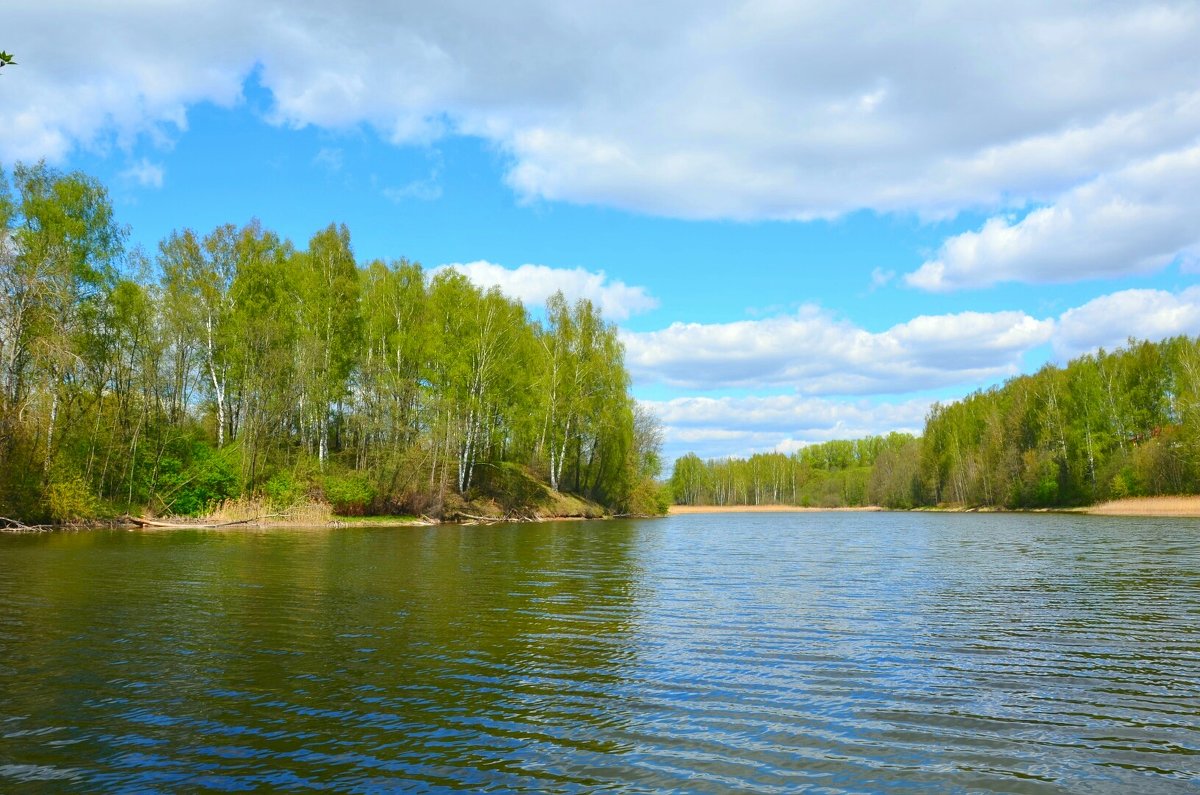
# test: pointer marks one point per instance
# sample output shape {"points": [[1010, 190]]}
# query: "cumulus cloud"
{"points": [[720, 427], [699, 110], [1135, 220], [819, 353], [533, 284], [1110, 320], [813, 352]]}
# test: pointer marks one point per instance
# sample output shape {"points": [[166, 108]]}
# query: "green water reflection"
{"points": [[825, 653]]}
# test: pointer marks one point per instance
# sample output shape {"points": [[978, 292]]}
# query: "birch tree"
{"points": [[329, 328]]}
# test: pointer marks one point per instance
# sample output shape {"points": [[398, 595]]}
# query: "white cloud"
{"points": [[144, 173], [818, 353], [92, 73], [1110, 320], [814, 353], [703, 110], [739, 426], [533, 284], [1135, 220]]}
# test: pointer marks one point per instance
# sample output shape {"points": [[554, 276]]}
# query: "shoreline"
{"points": [[137, 524], [1183, 507], [684, 510]]}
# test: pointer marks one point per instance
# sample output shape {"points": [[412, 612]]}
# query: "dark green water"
{"points": [[765, 653]]}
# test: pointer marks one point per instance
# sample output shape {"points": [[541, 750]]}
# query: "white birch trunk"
{"points": [[218, 385]]}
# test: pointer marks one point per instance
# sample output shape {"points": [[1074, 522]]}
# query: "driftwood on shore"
{"points": [[15, 526], [142, 521]]}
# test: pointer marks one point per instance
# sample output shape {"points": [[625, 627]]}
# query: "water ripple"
{"points": [[779, 653]]}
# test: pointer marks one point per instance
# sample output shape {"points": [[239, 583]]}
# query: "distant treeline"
{"points": [[1105, 426], [234, 363]]}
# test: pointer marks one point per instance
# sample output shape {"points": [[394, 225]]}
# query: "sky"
{"points": [[809, 220]]}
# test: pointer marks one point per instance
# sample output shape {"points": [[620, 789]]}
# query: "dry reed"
{"points": [[1149, 506], [258, 510]]}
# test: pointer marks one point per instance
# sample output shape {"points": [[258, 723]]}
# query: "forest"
{"points": [[1105, 426], [235, 363]]}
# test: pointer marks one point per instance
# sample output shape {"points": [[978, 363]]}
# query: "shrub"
{"points": [[350, 494], [199, 485], [283, 490], [650, 498], [70, 499]]}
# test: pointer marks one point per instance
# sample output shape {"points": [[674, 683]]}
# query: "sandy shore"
{"points": [[676, 510]]}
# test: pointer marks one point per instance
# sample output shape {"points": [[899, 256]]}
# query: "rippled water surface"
{"points": [[765, 653]]}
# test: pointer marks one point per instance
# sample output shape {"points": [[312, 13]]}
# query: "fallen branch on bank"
{"points": [[142, 521], [15, 526], [479, 519]]}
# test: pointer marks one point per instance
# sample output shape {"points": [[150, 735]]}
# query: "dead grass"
{"points": [[1148, 506], [256, 510]]}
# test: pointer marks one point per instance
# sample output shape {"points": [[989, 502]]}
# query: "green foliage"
{"points": [[690, 480], [247, 358], [195, 483], [829, 475], [1105, 426], [284, 490], [69, 499], [650, 498], [350, 494]]}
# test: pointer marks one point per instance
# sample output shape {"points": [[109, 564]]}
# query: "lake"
{"points": [[843, 652]]}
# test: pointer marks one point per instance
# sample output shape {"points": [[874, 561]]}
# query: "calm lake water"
{"points": [[765, 653]]}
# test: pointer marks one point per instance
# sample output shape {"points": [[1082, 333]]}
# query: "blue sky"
{"points": [[810, 222]]}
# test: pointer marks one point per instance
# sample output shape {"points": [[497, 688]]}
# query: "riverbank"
{"points": [[1180, 507], [536, 502], [678, 510]]}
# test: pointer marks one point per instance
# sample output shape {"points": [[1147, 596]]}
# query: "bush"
{"points": [[350, 494], [70, 500], [650, 498], [195, 487], [283, 490], [1119, 486]]}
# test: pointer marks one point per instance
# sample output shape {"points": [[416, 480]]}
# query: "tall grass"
{"points": [[260, 510], [1149, 506]]}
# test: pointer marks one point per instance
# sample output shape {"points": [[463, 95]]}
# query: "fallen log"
{"points": [[142, 521]]}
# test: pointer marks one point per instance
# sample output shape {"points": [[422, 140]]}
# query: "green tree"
{"points": [[329, 328]]}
